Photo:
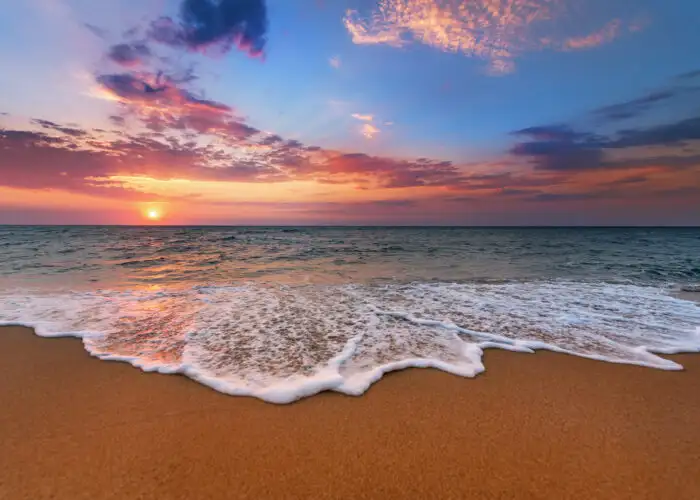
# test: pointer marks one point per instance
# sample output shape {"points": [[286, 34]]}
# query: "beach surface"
{"points": [[534, 426]]}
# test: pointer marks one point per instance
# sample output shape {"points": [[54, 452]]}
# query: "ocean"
{"points": [[283, 313]]}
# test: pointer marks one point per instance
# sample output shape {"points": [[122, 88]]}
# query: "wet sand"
{"points": [[533, 426]]}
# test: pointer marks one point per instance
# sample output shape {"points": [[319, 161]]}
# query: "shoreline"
{"points": [[532, 426]]}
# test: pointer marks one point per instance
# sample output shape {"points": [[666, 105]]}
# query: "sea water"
{"points": [[285, 313]]}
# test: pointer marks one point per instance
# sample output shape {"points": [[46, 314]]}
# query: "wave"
{"points": [[282, 343], [138, 263]]}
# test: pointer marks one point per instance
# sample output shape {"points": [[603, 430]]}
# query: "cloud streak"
{"points": [[561, 147], [606, 34]]}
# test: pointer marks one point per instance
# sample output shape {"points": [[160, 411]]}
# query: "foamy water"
{"points": [[281, 343], [284, 313]]}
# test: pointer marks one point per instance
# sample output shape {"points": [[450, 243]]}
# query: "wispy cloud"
{"points": [[606, 34], [369, 131], [364, 118], [493, 30], [634, 107]]}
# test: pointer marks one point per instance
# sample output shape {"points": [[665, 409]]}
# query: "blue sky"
{"points": [[456, 88]]}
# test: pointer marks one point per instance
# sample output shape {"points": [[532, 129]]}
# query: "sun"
{"points": [[153, 214]]}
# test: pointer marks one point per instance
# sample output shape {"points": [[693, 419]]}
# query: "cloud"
{"points": [[188, 137], [369, 131], [496, 31], [511, 181], [271, 140], [129, 55], [335, 62], [635, 107], [560, 156], [98, 32], [72, 131], [38, 160], [215, 24], [161, 105], [118, 121], [572, 151], [674, 162], [558, 132], [635, 179], [382, 172], [559, 147], [605, 35], [666, 134], [690, 75]]}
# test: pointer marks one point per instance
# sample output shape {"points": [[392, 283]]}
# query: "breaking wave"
{"points": [[281, 343]]}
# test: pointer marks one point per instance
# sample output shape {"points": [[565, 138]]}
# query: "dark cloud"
{"points": [[560, 151], [666, 135], [689, 75], [220, 24], [270, 140], [129, 55], [667, 162], [549, 133], [562, 148], [130, 87], [74, 132], [587, 152], [118, 121], [633, 108]]}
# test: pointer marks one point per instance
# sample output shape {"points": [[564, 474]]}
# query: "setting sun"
{"points": [[154, 211]]}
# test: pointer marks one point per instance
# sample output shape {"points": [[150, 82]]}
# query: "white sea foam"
{"points": [[283, 343]]}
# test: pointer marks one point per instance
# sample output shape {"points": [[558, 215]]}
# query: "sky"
{"points": [[350, 112]]}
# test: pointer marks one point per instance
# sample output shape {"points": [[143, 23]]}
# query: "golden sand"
{"points": [[544, 426]]}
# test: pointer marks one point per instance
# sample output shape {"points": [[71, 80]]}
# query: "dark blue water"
{"points": [[119, 256]]}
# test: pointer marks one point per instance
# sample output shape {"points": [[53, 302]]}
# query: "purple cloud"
{"points": [[129, 55], [219, 24]]}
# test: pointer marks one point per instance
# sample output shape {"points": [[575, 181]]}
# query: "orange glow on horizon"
{"points": [[152, 212]]}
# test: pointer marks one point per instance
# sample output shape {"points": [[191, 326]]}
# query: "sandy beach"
{"points": [[534, 426]]}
